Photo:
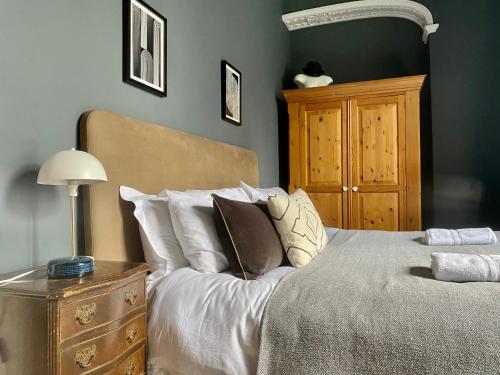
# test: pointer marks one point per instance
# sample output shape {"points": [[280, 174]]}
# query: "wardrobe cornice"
{"points": [[343, 90]]}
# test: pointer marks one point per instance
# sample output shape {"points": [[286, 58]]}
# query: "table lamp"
{"points": [[71, 168]]}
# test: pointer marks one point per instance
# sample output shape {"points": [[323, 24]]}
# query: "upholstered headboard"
{"points": [[149, 158]]}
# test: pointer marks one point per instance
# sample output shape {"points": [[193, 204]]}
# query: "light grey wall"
{"points": [[60, 58]]}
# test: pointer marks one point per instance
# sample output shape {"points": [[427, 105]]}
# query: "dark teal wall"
{"points": [[362, 50], [460, 152], [60, 58], [465, 61]]}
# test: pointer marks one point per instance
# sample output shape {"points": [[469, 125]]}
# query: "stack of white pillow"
{"points": [[177, 228]]}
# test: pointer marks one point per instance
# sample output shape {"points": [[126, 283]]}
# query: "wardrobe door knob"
{"points": [[344, 188], [355, 189]]}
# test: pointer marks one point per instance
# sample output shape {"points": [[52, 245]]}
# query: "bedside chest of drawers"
{"points": [[93, 325]]}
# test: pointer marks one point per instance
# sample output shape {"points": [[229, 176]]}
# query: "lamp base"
{"points": [[67, 267]]}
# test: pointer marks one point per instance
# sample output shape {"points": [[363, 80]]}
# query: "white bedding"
{"points": [[206, 323]]}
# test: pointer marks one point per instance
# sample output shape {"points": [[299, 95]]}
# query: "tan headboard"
{"points": [[149, 158]]}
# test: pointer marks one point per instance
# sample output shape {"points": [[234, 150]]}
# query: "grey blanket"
{"points": [[368, 304]]}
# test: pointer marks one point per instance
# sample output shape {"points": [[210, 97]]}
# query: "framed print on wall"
{"points": [[231, 93], [144, 47]]}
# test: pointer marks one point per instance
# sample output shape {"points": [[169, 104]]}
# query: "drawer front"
{"points": [[133, 365], [87, 356], [86, 314]]}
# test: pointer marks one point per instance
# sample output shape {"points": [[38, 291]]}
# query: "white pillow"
{"points": [[161, 249], [256, 194], [193, 222]]}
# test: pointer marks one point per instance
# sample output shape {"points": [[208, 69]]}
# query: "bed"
{"points": [[368, 304], [151, 158]]}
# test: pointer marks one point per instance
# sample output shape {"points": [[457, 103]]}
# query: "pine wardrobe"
{"points": [[355, 149]]}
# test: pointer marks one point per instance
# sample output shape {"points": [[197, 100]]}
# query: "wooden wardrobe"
{"points": [[355, 149]]}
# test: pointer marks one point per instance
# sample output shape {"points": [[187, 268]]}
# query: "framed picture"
{"points": [[144, 47], [231, 93]]}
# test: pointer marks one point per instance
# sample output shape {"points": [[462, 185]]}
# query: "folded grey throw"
{"points": [[467, 236], [465, 267]]}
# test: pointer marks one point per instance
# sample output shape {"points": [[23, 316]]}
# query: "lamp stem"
{"points": [[73, 192]]}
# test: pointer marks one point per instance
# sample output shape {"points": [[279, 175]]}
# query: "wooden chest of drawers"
{"points": [[93, 325]]}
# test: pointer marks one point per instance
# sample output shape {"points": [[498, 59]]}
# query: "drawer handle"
{"points": [[85, 313], [84, 357], [131, 296], [131, 334], [130, 370]]}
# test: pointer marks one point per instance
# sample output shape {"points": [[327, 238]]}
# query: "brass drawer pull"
{"points": [[85, 313], [131, 334], [84, 357], [130, 370], [131, 296]]}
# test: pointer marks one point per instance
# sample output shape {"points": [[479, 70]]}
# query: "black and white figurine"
{"points": [[313, 76]]}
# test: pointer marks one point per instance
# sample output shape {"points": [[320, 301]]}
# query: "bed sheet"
{"points": [[207, 323]]}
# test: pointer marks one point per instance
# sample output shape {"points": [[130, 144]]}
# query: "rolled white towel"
{"points": [[465, 267], [467, 236]]}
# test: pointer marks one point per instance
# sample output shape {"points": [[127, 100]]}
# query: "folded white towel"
{"points": [[467, 236], [465, 267]]}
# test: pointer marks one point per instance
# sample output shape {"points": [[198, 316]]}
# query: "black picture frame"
{"points": [[228, 93], [144, 48]]}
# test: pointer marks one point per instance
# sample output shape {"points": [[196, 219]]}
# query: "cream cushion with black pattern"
{"points": [[300, 228]]}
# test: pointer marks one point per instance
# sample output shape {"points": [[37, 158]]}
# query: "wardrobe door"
{"points": [[323, 164], [377, 160]]}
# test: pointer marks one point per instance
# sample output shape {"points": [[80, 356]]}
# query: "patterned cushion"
{"points": [[299, 226]]}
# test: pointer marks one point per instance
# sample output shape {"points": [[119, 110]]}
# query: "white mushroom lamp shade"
{"points": [[71, 168]]}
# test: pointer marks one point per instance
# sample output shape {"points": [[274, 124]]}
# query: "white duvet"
{"points": [[206, 323]]}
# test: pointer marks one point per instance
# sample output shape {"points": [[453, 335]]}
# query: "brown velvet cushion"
{"points": [[248, 237]]}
